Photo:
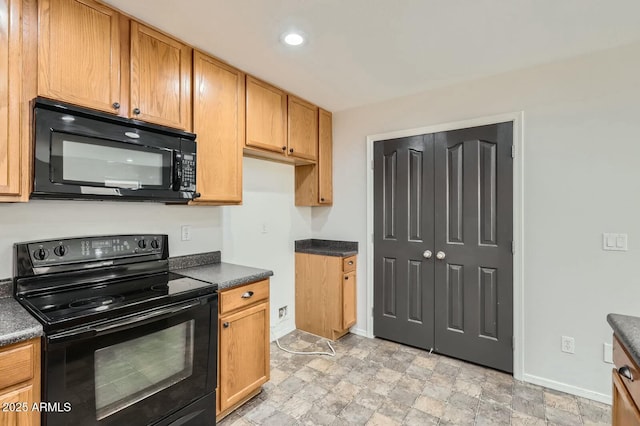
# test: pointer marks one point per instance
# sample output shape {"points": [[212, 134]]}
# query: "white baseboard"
{"points": [[359, 332], [281, 330], [563, 387]]}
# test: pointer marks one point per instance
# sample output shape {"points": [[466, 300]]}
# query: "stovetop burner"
{"points": [[92, 302]]}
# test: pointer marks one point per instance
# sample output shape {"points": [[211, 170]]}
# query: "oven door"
{"points": [[139, 370]]}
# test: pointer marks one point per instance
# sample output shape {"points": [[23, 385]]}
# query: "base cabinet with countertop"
{"points": [[20, 383], [325, 291], [243, 350], [626, 387]]}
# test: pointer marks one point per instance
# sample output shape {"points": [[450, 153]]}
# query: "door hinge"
{"points": [[513, 247], [372, 310], [513, 151], [513, 342], [371, 164]]}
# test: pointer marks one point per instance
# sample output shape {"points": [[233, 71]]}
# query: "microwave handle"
{"points": [[177, 170]]}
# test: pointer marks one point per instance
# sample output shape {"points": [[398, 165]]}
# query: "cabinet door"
{"points": [[160, 78], [623, 412], [218, 120], [266, 116], [325, 158], [348, 299], [244, 353], [79, 53], [10, 173], [302, 128], [17, 401]]}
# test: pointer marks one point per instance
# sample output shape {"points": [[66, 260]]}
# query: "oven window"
{"points": [[128, 372]]}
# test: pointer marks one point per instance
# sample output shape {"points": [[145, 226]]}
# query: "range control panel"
{"points": [[90, 249]]}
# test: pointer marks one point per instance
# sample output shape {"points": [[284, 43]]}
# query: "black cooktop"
{"points": [[111, 299]]}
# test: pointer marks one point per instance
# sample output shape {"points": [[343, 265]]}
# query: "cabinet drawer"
{"points": [[349, 264], [16, 364], [242, 296], [621, 359]]}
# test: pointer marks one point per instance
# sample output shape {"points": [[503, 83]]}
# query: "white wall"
{"points": [[581, 178], [42, 219], [268, 204]]}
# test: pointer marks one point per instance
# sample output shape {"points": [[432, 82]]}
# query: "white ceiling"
{"points": [[364, 51]]}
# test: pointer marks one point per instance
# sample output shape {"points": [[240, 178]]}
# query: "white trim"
{"points": [[518, 218], [564, 387], [359, 331]]}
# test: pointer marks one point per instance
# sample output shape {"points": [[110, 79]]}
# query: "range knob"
{"points": [[60, 251], [142, 243], [41, 254], [155, 244]]}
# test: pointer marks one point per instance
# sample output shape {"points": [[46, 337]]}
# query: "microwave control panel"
{"points": [[188, 173]]}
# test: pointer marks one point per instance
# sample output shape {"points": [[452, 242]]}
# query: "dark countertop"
{"points": [[207, 267], [627, 328], [327, 247], [16, 324]]}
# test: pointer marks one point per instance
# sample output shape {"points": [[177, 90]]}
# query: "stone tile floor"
{"points": [[376, 382]]}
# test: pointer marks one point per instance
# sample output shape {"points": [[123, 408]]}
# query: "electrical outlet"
{"points": [[568, 344], [264, 228], [282, 312], [186, 232], [608, 353]]}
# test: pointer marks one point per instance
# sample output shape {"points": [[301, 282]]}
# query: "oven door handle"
{"points": [[126, 323]]}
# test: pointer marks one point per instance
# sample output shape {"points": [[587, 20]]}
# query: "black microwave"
{"points": [[85, 154]]}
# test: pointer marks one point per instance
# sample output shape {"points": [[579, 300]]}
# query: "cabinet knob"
{"points": [[247, 295], [136, 111], [346, 277], [116, 105], [284, 148], [625, 371], [225, 325], [290, 149], [322, 199]]}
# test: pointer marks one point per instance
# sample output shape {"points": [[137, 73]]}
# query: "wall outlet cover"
{"points": [[568, 344]]}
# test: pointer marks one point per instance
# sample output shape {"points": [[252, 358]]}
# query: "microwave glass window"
{"points": [[109, 166], [131, 371]]}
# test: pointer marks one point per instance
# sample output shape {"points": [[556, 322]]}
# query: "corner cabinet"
{"points": [[243, 349], [314, 182], [20, 383], [325, 294], [625, 410], [218, 120]]}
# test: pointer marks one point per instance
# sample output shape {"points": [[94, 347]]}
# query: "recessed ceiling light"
{"points": [[293, 39]]}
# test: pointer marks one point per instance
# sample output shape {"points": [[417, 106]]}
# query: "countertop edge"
{"points": [[627, 328], [327, 252]]}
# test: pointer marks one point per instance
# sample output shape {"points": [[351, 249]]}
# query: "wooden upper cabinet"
{"points": [[10, 146], [325, 158], [79, 53], [302, 129], [160, 78], [218, 120], [266, 116]]}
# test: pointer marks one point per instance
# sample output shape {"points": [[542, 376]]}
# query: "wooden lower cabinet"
{"points": [[325, 294], [20, 383], [243, 346], [625, 410]]}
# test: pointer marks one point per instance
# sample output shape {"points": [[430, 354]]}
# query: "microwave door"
{"points": [[91, 162]]}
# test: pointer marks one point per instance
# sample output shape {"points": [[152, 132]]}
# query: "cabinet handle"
{"points": [[284, 148], [290, 149], [351, 262], [116, 105], [247, 295], [626, 372], [136, 111], [225, 325]]}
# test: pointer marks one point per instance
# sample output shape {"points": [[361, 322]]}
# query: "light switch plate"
{"points": [[614, 242]]}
